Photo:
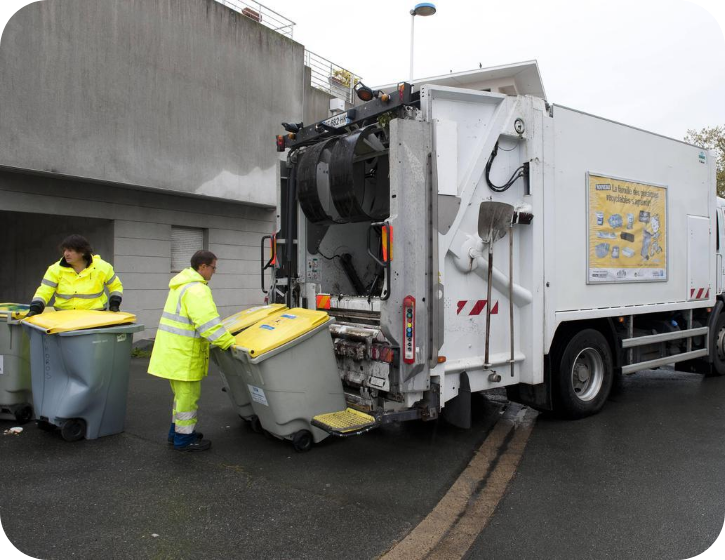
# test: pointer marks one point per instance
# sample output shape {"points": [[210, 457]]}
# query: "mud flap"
{"points": [[458, 410], [536, 396]]}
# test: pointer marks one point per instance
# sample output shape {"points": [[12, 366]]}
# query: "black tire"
{"points": [[583, 375], [255, 424], [718, 347], [23, 414], [302, 441], [45, 426], [73, 429]]}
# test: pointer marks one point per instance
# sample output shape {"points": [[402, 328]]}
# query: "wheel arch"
{"points": [[566, 330]]}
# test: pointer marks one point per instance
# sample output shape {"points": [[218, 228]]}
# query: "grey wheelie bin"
{"points": [[15, 389], [288, 364], [79, 364], [234, 385]]}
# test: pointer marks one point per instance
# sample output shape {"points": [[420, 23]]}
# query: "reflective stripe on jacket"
{"points": [[189, 323], [84, 290]]}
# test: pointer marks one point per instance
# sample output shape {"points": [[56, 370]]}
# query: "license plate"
{"points": [[338, 121]]}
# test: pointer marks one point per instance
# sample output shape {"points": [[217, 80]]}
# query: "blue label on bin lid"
{"points": [[289, 316], [266, 327]]}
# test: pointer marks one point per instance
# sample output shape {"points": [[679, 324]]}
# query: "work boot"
{"points": [[170, 441], [198, 445]]}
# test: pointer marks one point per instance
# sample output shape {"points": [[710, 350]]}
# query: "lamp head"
{"points": [[423, 9]]}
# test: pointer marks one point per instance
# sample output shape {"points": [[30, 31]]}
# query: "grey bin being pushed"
{"points": [[80, 379], [15, 386], [234, 385], [288, 364]]}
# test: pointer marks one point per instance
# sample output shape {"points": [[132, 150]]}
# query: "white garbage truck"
{"points": [[467, 240]]}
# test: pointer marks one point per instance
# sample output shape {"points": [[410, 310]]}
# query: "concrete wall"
{"points": [[122, 118], [183, 95], [141, 239], [317, 102]]}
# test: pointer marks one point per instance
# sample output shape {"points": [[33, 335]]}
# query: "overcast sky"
{"points": [[657, 65]]}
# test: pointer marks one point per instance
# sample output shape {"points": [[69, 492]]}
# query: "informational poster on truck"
{"points": [[627, 231]]}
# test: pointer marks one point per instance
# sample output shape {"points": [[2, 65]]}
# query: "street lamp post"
{"points": [[422, 9]]}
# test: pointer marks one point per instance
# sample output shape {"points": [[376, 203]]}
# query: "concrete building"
{"points": [[148, 126]]}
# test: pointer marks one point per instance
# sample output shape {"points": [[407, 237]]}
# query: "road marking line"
{"points": [[451, 528]]}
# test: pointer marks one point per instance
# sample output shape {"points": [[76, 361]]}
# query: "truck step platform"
{"points": [[349, 422]]}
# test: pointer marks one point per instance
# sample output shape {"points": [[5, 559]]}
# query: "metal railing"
{"points": [[326, 75], [330, 77], [262, 14]]}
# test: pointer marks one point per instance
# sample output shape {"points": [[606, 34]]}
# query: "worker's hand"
{"points": [[36, 308], [114, 304]]}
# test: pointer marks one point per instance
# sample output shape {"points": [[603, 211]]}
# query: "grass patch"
{"points": [[138, 353]]}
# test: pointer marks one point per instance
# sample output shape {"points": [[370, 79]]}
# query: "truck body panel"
{"points": [[611, 228]]}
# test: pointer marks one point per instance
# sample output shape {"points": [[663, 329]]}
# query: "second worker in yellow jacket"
{"points": [[78, 281]]}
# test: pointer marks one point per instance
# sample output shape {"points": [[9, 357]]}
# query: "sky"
{"points": [[657, 65]]}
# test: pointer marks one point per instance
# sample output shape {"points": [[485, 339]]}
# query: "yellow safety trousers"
{"points": [[186, 405]]}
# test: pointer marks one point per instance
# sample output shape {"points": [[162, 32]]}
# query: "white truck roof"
{"points": [[520, 78]]}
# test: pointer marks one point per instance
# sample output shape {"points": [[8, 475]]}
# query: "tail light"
{"points": [[280, 144], [273, 260], [382, 353], [387, 241], [409, 329]]}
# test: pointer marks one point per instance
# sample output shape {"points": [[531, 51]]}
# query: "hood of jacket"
{"points": [[186, 276]]}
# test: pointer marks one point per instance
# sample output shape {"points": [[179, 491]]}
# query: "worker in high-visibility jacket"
{"points": [[78, 281], [189, 324]]}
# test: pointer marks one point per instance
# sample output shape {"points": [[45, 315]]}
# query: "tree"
{"points": [[712, 138]]}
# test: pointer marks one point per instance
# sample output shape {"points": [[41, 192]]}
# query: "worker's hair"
{"points": [[202, 257], [79, 244]]}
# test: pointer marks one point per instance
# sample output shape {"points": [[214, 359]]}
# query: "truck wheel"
{"points": [[585, 375], [718, 351]]}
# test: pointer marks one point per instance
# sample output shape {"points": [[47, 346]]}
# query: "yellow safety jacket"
{"points": [[84, 290], [189, 323]]}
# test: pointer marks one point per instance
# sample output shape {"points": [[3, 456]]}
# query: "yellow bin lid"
{"points": [[77, 319], [279, 329], [240, 321]]}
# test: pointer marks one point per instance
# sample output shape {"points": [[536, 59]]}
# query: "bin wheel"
{"points": [[73, 429], [23, 414], [45, 426], [255, 424], [302, 441]]}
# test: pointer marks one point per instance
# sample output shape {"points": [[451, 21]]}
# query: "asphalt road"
{"points": [[131, 496], [643, 479]]}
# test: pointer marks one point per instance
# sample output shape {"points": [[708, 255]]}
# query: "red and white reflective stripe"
{"points": [[699, 293], [474, 307]]}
